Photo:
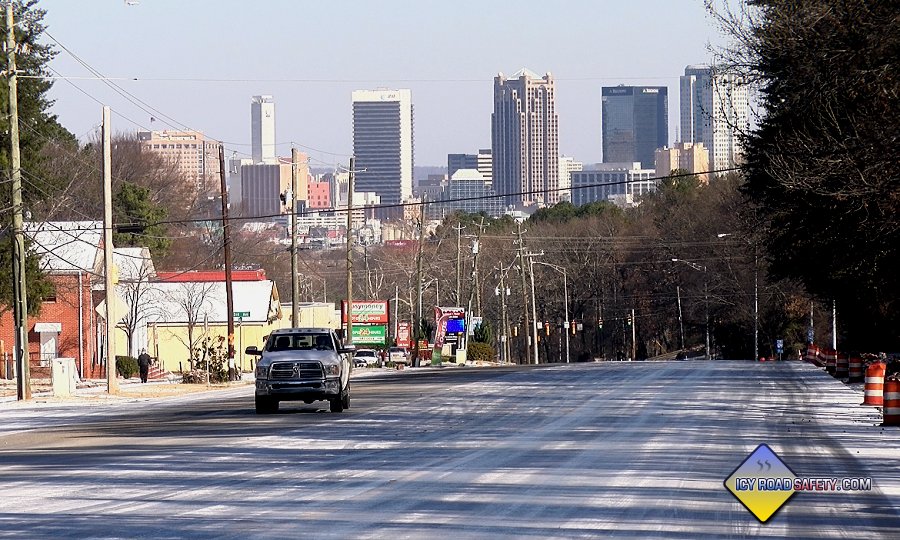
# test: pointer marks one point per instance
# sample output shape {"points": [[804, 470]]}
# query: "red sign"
{"points": [[367, 312], [403, 331]]}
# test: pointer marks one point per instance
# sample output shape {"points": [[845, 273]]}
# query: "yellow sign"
{"points": [[763, 483]]}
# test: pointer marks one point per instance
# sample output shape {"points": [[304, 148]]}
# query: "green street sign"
{"points": [[374, 334], [241, 314]]}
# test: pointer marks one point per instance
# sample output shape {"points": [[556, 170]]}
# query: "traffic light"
{"points": [[628, 318], [547, 328], [600, 323], [572, 327], [515, 331]]}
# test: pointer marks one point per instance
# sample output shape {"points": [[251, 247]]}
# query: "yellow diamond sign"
{"points": [[763, 483]]}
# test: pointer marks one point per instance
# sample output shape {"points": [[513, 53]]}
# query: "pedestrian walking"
{"points": [[144, 361]]}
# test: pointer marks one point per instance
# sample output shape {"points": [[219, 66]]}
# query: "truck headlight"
{"points": [[262, 372], [332, 370]]}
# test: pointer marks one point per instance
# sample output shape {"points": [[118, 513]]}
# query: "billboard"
{"points": [[366, 312], [404, 329], [372, 335]]}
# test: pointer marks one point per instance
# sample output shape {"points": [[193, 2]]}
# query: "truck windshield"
{"points": [[300, 342]]}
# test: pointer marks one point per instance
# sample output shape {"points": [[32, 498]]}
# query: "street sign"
{"points": [[241, 314], [779, 346], [370, 312], [373, 334], [810, 335]]}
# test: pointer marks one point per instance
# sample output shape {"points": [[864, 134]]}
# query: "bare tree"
{"points": [[194, 303]]}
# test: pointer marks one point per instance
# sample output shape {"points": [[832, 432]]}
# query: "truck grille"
{"points": [[296, 370]]}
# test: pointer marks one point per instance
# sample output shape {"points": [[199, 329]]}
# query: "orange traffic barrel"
{"points": [[813, 356], [842, 370], [830, 360], [856, 369], [891, 403], [874, 389]]}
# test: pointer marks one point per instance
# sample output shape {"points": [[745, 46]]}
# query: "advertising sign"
{"points": [[372, 335], [404, 329], [367, 312]]}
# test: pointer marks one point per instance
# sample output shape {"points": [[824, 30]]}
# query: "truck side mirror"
{"points": [[253, 351]]}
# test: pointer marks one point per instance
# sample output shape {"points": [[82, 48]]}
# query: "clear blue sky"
{"points": [[311, 54]]}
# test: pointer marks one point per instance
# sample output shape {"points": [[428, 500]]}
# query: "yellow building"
{"points": [[177, 316]]}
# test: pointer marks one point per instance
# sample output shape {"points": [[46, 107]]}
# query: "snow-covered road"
{"points": [[586, 450]]}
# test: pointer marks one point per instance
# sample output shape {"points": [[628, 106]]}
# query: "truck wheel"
{"points": [[337, 404], [346, 398], [266, 405]]}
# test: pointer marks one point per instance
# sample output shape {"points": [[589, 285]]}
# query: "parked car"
{"points": [[302, 364], [365, 357], [398, 355]]}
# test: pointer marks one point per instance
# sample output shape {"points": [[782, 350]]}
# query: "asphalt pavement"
{"points": [[634, 449]]}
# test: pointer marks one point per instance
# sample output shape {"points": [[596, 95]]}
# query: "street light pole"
{"points": [[755, 292], [565, 300], [702, 268]]}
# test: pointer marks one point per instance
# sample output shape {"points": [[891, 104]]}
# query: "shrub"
{"points": [[126, 366], [480, 352]]}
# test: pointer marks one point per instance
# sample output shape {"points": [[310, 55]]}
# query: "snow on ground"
{"points": [[635, 450]]}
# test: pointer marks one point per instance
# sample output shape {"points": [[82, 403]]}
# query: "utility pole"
{"points": [[348, 336], [418, 323], [476, 282], [533, 303], [680, 320], [295, 278], [459, 227], [811, 334], [226, 245], [834, 325], [633, 336], [396, 312], [521, 251], [20, 308], [112, 383]]}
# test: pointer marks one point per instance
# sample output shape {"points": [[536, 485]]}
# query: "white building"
{"points": [[262, 129], [383, 143], [620, 183], [715, 110], [567, 165]]}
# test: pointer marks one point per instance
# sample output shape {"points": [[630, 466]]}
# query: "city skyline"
{"points": [[447, 54]]}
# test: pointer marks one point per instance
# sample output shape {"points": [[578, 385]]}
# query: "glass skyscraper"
{"points": [[635, 122], [383, 143]]}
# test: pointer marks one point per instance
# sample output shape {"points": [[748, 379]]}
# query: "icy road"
{"points": [[637, 450]]}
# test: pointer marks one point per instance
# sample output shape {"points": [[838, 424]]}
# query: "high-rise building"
{"points": [[468, 191], [383, 143], [567, 165], [715, 110], [635, 122], [525, 139], [482, 162], [261, 189], [690, 157], [195, 156], [620, 183], [262, 129]]}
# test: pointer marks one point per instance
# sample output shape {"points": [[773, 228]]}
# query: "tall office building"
{"points": [[567, 165], [383, 143], [262, 129], [715, 110], [635, 122], [525, 139], [482, 162], [195, 157]]}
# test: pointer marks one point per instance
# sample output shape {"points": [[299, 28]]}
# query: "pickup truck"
{"points": [[302, 364]]}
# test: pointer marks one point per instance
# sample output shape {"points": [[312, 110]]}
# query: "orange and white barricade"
{"points": [[856, 369], [874, 389], [830, 360], [842, 369], [891, 403], [813, 355]]}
